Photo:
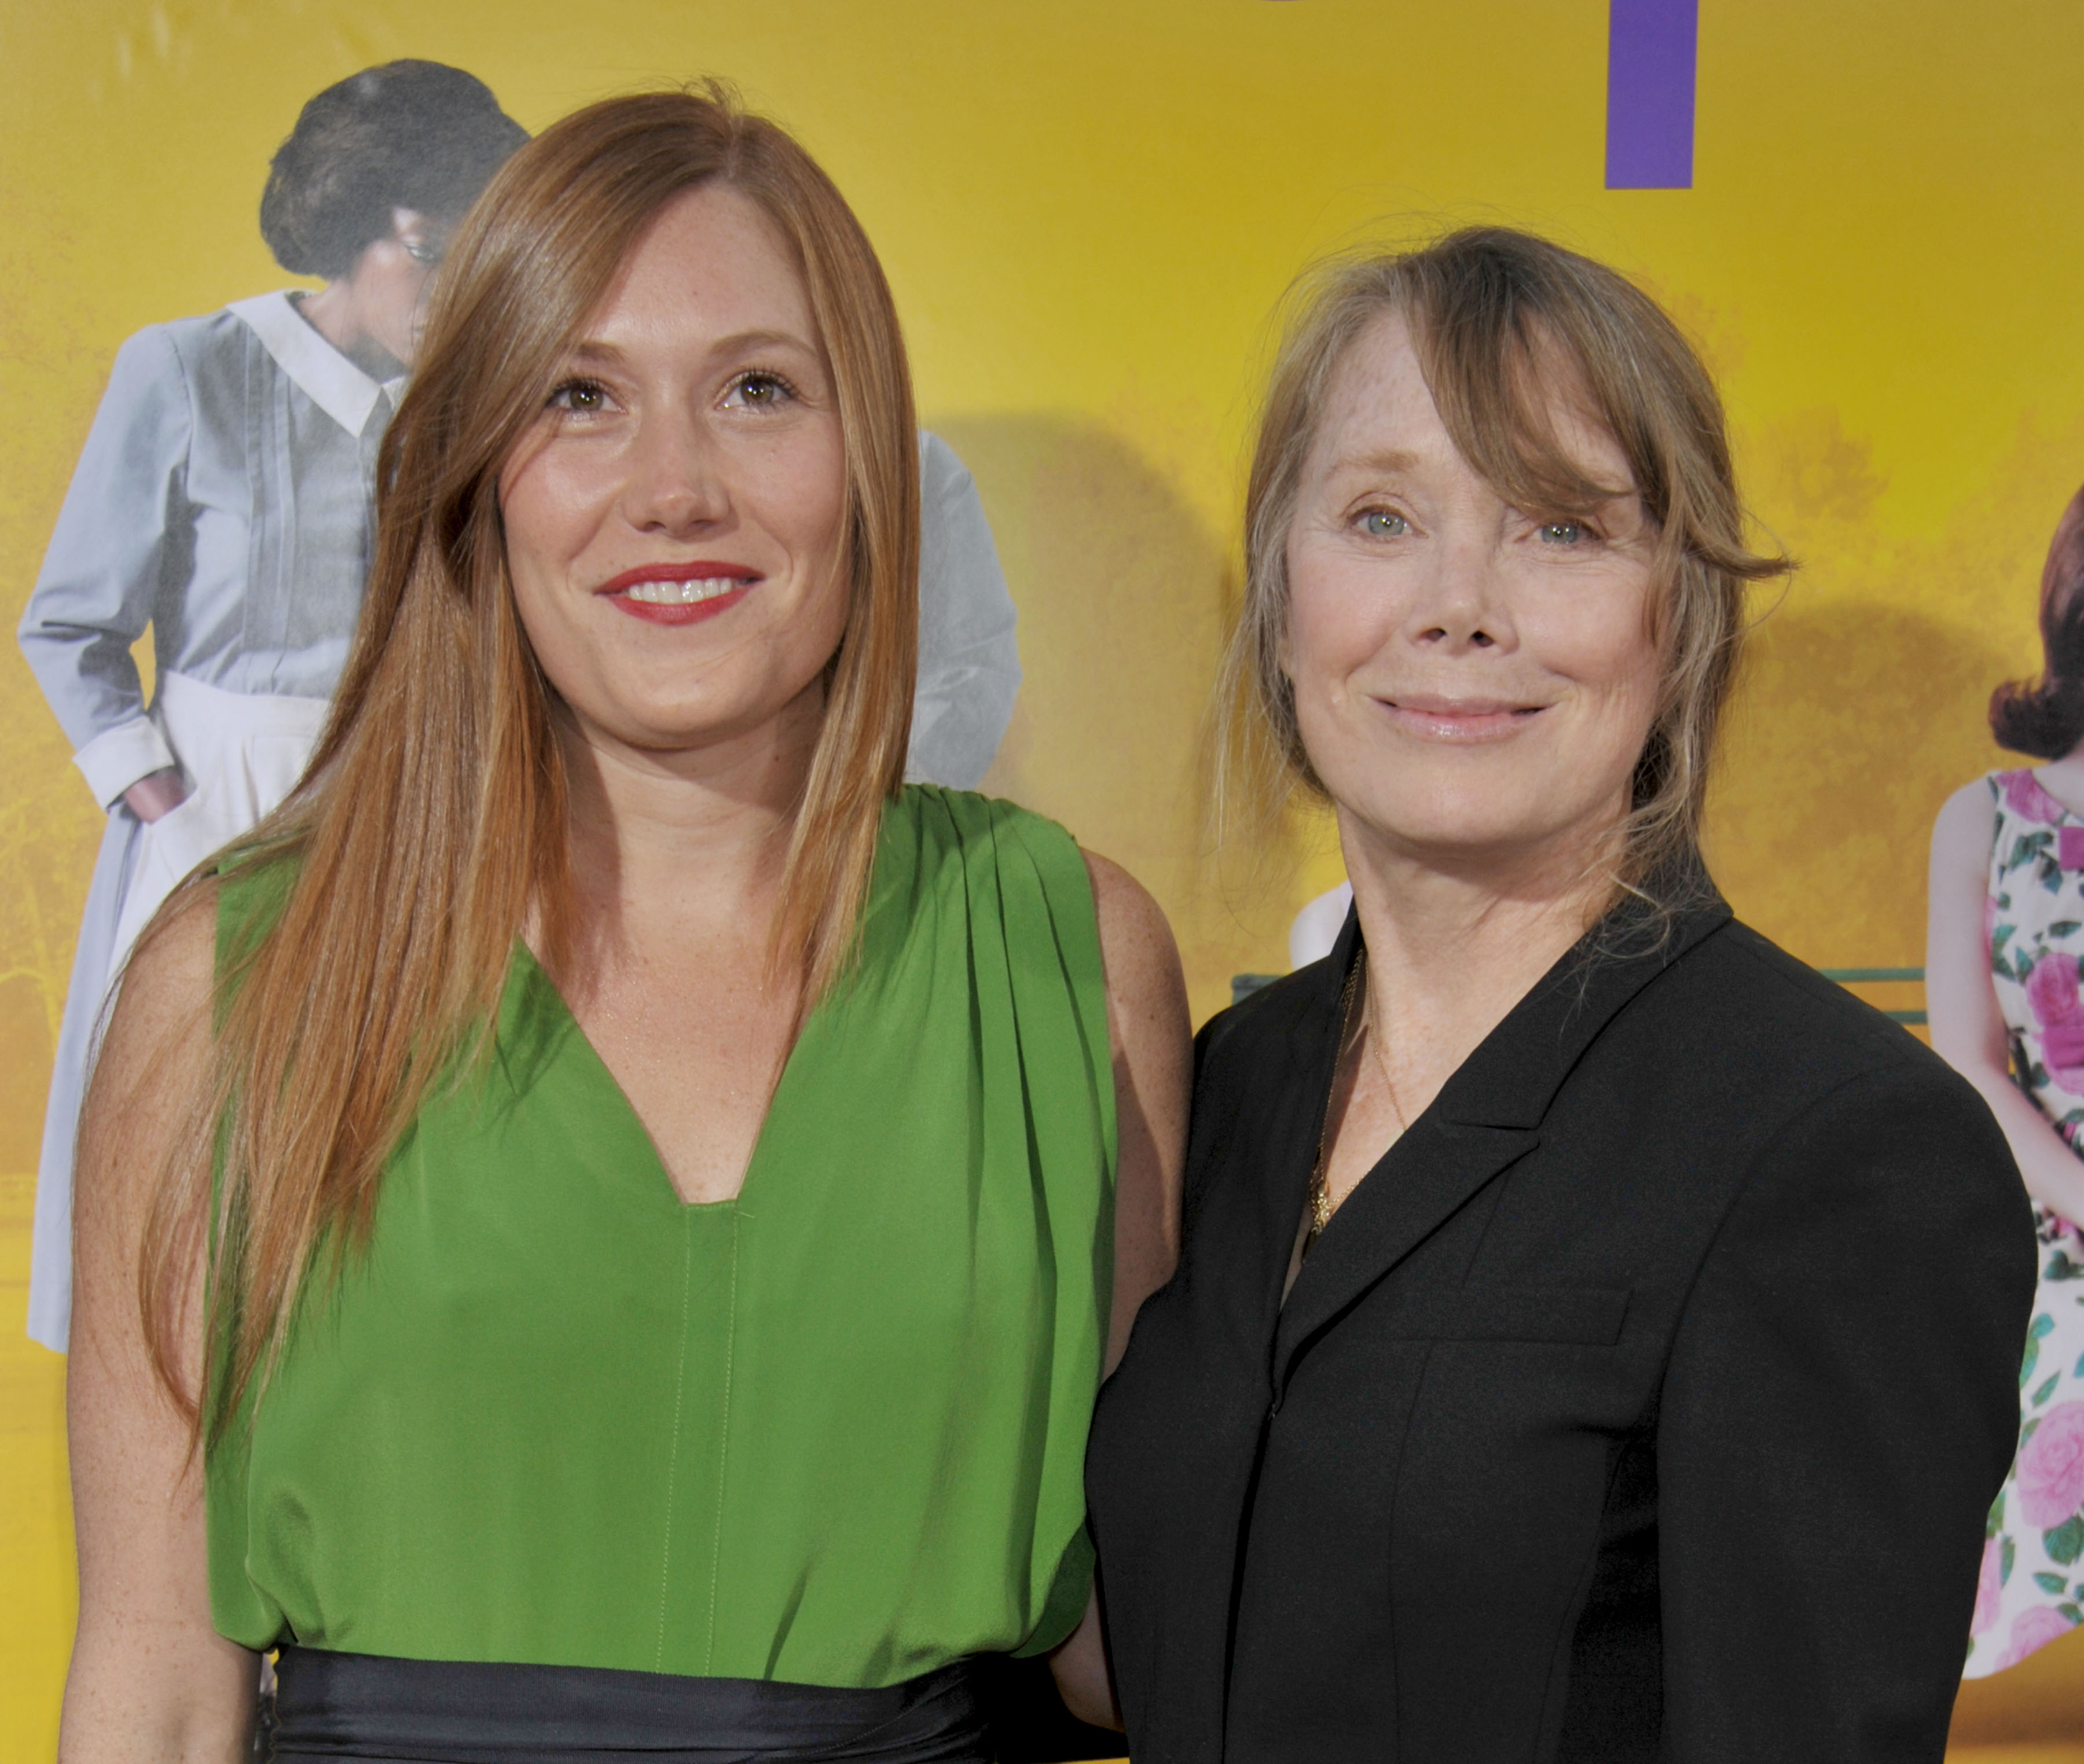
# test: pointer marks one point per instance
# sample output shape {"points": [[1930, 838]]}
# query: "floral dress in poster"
{"points": [[2032, 1586]]}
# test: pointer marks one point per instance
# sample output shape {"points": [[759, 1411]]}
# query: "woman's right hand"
{"points": [[156, 793], [150, 1679]]}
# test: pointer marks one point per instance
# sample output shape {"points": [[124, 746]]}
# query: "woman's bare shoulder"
{"points": [[1136, 939], [1124, 907], [163, 1000], [1970, 813], [1966, 823]]}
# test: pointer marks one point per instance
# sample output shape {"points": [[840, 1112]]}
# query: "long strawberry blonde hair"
{"points": [[432, 824]]}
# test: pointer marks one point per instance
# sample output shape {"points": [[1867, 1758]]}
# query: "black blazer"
{"points": [[1645, 1401]]}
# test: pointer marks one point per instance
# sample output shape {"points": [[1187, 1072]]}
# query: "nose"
{"points": [[674, 486], [1461, 604]]}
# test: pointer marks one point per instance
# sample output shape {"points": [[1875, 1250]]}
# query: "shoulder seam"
{"points": [[166, 336], [1885, 1051]]}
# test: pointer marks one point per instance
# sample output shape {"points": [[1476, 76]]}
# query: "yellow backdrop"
{"points": [[1088, 208]]}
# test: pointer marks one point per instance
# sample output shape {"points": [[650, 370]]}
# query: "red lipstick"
{"points": [[679, 594]]}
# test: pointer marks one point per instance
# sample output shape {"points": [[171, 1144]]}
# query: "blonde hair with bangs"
{"points": [[1503, 323], [431, 826]]}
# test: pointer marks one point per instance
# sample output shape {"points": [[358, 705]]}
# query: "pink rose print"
{"points": [[2052, 995], [2023, 795], [2062, 1051], [2032, 1630], [2051, 989], [1989, 1588], [2051, 1468]]}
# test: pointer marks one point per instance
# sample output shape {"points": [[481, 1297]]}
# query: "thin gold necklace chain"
{"points": [[1322, 1205], [1379, 1045]]}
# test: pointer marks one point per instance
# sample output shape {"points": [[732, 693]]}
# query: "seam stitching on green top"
{"points": [[723, 1442], [673, 1456]]}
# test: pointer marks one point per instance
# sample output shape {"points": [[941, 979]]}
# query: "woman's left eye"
{"points": [[1562, 532], [759, 392]]}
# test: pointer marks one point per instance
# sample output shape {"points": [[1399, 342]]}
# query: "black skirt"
{"points": [[384, 1710]]}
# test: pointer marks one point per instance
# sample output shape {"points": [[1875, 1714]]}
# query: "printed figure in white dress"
{"points": [[224, 499], [2002, 992]]}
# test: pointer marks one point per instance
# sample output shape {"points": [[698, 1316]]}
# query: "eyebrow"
{"points": [[598, 349], [1382, 460], [1393, 460]]}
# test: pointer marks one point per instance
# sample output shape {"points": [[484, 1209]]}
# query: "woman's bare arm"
{"points": [[150, 1679], [1968, 1029], [1153, 1046]]}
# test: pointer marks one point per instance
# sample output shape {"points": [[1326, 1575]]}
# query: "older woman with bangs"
{"points": [[1596, 1335], [596, 1222]]}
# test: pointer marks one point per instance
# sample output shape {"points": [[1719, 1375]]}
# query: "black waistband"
{"points": [[371, 1707]]}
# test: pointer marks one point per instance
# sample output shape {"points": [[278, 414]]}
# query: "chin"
{"points": [[688, 729], [1463, 824]]}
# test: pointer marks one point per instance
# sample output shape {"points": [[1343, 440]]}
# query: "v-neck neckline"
{"points": [[1508, 1080], [535, 972]]}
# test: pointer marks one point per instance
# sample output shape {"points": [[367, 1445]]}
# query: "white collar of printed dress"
{"points": [[318, 369]]}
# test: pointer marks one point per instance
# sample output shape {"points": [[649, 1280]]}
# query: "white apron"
{"points": [[243, 753]]}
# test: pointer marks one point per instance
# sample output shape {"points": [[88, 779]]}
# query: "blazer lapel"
{"points": [[1423, 1181], [1489, 1113], [1290, 1105]]}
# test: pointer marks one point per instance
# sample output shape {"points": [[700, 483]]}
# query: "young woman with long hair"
{"points": [[599, 1224]]}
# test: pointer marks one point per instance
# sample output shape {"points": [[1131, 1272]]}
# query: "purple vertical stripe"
{"points": [[1650, 46]]}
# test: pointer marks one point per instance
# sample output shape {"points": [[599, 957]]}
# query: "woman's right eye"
{"points": [[1384, 524], [581, 396]]}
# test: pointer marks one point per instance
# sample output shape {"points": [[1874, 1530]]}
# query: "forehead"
{"points": [[1376, 397], [1378, 404], [711, 264]]}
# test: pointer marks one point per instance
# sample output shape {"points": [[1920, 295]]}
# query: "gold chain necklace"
{"points": [[1322, 1205]]}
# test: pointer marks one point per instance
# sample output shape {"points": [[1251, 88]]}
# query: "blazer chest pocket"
{"points": [[1578, 1315]]}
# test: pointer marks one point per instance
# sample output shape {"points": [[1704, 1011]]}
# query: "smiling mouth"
{"points": [[1472, 720], [686, 593], [681, 594]]}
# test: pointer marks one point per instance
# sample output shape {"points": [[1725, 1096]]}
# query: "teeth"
{"points": [[684, 593]]}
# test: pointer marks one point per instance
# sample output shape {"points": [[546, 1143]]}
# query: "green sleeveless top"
{"points": [[830, 1432]]}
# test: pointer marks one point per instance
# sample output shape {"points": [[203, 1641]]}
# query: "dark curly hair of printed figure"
{"points": [[2044, 717]]}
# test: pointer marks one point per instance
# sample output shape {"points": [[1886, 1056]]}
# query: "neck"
{"points": [[335, 315], [1453, 948], [682, 851]]}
